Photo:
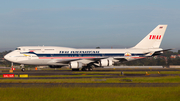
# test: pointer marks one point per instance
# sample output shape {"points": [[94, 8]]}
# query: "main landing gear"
{"points": [[84, 69], [88, 68]]}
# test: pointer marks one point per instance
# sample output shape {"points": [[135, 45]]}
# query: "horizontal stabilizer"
{"points": [[160, 52]]}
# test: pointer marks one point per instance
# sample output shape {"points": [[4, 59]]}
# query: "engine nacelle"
{"points": [[106, 62], [75, 65]]}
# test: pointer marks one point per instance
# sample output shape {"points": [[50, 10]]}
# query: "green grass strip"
{"points": [[90, 94], [167, 79]]}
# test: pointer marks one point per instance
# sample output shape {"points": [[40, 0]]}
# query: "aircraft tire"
{"points": [[90, 69], [86, 69], [22, 69], [83, 69]]}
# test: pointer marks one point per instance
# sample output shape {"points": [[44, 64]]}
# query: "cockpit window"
{"points": [[18, 48]]}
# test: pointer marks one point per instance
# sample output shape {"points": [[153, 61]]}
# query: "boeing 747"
{"points": [[86, 59]]}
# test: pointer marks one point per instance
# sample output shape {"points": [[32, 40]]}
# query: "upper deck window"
{"points": [[18, 48]]}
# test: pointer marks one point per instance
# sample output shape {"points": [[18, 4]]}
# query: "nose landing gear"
{"points": [[22, 67]]}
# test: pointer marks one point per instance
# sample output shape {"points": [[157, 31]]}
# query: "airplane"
{"points": [[87, 59]]}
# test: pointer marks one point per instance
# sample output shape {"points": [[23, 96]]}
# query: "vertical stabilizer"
{"points": [[153, 39]]}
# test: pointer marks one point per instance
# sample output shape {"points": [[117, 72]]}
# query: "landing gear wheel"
{"points": [[22, 69], [83, 69], [86, 69], [90, 69]]}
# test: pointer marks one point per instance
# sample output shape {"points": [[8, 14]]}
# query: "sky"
{"points": [[86, 23]]}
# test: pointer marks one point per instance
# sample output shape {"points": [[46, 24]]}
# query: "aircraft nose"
{"points": [[10, 57], [6, 57]]}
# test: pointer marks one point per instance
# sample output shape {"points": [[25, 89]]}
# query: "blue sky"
{"points": [[82, 23]]}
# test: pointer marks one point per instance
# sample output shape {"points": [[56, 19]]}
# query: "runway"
{"points": [[94, 70], [97, 73]]}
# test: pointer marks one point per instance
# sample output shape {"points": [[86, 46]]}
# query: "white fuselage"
{"points": [[44, 55]]}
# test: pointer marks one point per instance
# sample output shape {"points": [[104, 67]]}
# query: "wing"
{"points": [[83, 60], [95, 60]]}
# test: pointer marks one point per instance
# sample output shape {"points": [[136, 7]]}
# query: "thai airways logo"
{"points": [[127, 54], [26, 55], [155, 37]]}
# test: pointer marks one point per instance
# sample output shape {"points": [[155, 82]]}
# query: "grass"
{"points": [[90, 94], [167, 79]]}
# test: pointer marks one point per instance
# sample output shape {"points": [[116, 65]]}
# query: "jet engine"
{"points": [[75, 65], [105, 62]]}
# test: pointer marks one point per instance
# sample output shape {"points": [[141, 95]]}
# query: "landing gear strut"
{"points": [[12, 65]]}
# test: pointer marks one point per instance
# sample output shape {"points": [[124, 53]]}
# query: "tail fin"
{"points": [[153, 39]]}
